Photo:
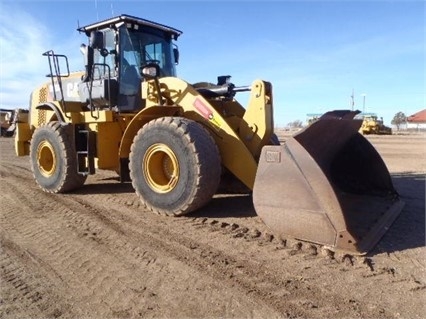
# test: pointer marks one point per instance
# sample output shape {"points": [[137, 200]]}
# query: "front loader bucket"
{"points": [[327, 185]]}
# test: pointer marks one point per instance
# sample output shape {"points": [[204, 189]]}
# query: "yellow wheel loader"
{"points": [[176, 142]]}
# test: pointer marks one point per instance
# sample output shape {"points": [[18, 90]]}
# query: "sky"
{"points": [[316, 54]]}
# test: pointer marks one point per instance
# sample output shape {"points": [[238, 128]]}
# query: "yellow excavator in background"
{"points": [[175, 142]]}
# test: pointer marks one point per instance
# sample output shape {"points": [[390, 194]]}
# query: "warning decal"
{"points": [[206, 112]]}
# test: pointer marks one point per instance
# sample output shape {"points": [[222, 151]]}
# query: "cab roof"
{"points": [[131, 20]]}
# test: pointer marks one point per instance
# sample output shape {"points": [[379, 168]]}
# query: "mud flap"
{"points": [[327, 185]]}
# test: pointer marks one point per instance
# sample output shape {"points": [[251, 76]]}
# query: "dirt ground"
{"points": [[95, 253]]}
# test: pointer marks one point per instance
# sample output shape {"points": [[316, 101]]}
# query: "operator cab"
{"points": [[117, 51]]}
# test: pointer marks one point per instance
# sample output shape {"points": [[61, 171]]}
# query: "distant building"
{"points": [[417, 121]]}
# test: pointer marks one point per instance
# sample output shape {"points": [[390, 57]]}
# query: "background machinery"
{"points": [[176, 142], [371, 124], [9, 118]]}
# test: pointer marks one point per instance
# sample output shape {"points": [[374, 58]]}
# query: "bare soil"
{"points": [[96, 253]]}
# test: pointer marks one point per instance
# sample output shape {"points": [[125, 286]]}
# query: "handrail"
{"points": [[56, 73]]}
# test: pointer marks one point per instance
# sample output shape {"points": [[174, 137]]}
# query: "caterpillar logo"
{"points": [[70, 91]]}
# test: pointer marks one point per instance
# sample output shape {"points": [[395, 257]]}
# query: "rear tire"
{"points": [[174, 165], [54, 159]]}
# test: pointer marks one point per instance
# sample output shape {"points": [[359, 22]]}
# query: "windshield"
{"points": [[145, 45]]}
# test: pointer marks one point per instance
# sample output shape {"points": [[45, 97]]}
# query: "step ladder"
{"points": [[86, 146]]}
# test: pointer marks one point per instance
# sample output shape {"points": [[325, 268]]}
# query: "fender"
{"points": [[235, 154], [140, 120], [49, 106], [132, 129], [24, 130]]}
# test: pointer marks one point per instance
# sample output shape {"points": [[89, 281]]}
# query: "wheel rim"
{"points": [[46, 159], [160, 168]]}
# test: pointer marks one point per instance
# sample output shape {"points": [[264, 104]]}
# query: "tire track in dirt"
{"points": [[169, 266], [262, 285], [266, 284], [13, 171], [219, 264], [294, 252], [21, 273], [98, 281], [68, 257]]}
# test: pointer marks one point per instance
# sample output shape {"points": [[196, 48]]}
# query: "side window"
{"points": [[110, 46], [153, 51], [130, 58], [106, 64], [129, 63]]}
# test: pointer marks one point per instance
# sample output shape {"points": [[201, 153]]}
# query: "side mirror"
{"points": [[104, 52], [83, 49], [150, 71], [176, 55], [97, 40]]}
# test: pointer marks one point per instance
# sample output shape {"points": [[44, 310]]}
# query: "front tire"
{"points": [[174, 165], [54, 159]]}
